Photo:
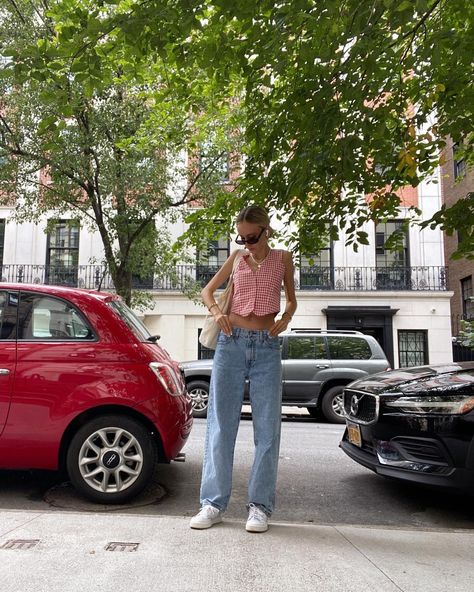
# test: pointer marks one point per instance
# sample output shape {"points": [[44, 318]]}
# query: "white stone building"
{"points": [[402, 299]]}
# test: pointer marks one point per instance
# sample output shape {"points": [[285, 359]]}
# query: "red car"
{"points": [[86, 388]]}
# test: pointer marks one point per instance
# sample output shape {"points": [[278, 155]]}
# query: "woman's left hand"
{"points": [[278, 327]]}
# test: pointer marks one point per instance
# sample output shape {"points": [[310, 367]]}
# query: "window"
{"points": [[8, 314], [306, 348], [204, 353], [46, 318], [210, 261], [412, 348], [131, 320], [214, 162], [349, 348], [62, 256], [459, 162], [316, 270], [466, 295], [392, 266]]}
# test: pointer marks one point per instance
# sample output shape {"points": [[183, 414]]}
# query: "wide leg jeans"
{"points": [[254, 356]]}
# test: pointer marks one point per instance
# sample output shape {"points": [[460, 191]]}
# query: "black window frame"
{"points": [[320, 274], [423, 333], [62, 274], [466, 295], [459, 164], [204, 269], [390, 276]]}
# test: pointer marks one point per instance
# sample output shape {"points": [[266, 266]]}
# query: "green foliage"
{"points": [[336, 99], [338, 96], [90, 127], [466, 335]]}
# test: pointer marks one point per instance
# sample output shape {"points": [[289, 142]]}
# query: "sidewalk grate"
{"points": [[129, 547], [20, 544]]}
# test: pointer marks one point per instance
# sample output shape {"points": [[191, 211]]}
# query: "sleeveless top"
{"points": [[259, 291]]}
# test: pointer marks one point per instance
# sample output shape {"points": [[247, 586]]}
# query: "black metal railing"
{"points": [[364, 279], [343, 279]]}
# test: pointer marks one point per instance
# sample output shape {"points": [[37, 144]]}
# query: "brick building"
{"points": [[456, 182]]}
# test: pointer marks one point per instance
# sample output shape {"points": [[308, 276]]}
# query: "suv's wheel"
{"points": [[111, 459], [198, 390], [333, 405]]}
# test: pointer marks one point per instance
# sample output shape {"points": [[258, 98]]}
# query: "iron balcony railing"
{"points": [[341, 279]]}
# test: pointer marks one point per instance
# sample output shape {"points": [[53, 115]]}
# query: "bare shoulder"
{"points": [[287, 257], [237, 254]]}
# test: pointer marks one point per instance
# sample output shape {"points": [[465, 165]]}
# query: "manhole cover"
{"points": [[64, 496]]}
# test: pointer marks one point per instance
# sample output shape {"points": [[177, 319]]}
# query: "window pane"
{"points": [[301, 348], [467, 304], [63, 253], [129, 317], [412, 347], [349, 348], [51, 318]]}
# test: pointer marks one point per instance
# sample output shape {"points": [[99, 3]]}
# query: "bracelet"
{"points": [[288, 314], [212, 306]]}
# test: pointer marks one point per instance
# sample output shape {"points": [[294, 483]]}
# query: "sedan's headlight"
{"points": [[451, 404]]}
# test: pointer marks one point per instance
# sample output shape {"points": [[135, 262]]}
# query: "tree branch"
{"points": [[185, 199]]}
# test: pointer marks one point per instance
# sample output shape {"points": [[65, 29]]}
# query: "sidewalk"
{"points": [[67, 552]]}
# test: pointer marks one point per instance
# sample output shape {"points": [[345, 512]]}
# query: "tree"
{"points": [[102, 135], [342, 98]]}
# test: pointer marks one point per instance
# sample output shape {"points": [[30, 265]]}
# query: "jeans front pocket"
{"points": [[224, 339], [273, 342]]}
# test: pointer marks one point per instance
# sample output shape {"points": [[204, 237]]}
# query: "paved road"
{"points": [[317, 484]]}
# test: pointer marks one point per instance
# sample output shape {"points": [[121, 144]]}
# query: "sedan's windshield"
{"points": [[129, 317]]}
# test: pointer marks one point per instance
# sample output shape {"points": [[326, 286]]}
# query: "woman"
{"points": [[248, 348]]}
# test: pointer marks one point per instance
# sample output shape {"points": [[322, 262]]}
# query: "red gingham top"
{"points": [[258, 292]]}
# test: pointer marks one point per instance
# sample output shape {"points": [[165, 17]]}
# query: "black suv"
{"points": [[317, 365]]}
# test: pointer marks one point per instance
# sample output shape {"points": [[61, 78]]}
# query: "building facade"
{"points": [[457, 181], [402, 298]]}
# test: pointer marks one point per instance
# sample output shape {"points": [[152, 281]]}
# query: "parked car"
{"points": [[317, 364], [414, 424], [86, 388]]}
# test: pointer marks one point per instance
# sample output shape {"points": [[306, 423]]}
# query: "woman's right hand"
{"points": [[224, 323]]}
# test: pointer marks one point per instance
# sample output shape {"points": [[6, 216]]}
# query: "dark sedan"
{"points": [[415, 424]]}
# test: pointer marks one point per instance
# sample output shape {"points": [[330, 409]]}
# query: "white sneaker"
{"points": [[257, 520], [206, 517]]}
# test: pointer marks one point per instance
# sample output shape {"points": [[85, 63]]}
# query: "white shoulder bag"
{"points": [[210, 330]]}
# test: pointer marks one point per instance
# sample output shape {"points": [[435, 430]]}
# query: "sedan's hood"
{"points": [[453, 376]]}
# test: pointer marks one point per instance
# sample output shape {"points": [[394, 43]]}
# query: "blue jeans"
{"points": [[254, 356]]}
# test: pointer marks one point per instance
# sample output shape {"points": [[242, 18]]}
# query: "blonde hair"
{"points": [[255, 215]]}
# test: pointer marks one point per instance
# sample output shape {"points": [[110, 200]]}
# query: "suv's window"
{"points": [[8, 310], [349, 348], [306, 348], [44, 317]]}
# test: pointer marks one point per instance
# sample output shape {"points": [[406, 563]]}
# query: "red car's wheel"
{"points": [[111, 459]]}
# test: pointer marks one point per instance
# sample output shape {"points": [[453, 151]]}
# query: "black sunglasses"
{"points": [[251, 240]]}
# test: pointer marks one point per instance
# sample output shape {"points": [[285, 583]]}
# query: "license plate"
{"points": [[353, 434]]}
